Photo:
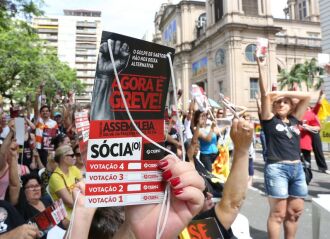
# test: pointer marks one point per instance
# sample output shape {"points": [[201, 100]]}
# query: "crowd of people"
{"points": [[220, 150]]}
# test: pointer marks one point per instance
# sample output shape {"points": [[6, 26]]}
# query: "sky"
{"points": [[134, 18]]}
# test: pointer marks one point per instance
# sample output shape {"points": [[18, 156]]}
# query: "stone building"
{"points": [[215, 41]]}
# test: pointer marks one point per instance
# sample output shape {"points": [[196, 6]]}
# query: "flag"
{"points": [[324, 111]]}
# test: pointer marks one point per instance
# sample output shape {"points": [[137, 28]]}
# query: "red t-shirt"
{"points": [[305, 137]]}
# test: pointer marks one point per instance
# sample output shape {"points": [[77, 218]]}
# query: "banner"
{"points": [[121, 165], [325, 132]]}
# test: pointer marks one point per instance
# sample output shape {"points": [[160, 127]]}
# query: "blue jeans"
{"points": [[263, 144], [283, 180]]}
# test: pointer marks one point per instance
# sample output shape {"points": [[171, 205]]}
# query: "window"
{"points": [[249, 52], [304, 9], [220, 57], [218, 10], [254, 87], [250, 7], [221, 90], [300, 12]]}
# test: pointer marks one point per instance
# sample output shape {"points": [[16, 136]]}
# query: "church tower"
{"points": [[304, 10]]}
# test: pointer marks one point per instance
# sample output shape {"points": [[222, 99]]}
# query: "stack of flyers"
{"points": [[50, 217], [262, 46]]}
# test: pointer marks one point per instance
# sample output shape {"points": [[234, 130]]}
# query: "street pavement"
{"points": [[256, 209]]}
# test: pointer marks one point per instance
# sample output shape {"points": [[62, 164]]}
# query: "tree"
{"points": [[26, 9], [290, 79], [308, 73], [25, 62]]}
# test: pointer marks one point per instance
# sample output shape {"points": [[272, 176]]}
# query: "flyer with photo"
{"points": [[121, 166]]}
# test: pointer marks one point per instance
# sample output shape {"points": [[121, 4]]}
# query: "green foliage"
{"points": [[309, 74], [26, 9], [25, 63]]}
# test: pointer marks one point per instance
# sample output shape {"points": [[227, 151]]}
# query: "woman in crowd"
{"points": [[79, 161], [65, 176], [284, 176], [207, 137], [27, 199]]}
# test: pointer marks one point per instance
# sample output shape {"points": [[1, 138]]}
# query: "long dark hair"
{"points": [[197, 116]]}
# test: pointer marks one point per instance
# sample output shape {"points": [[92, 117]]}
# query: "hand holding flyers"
{"points": [[187, 200]]}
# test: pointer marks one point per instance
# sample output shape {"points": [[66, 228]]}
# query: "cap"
{"points": [[57, 114], [62, 151]]}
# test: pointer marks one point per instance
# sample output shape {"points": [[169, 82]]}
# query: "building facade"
{"points": [[325, 25], [215, 41], [76, 36]]}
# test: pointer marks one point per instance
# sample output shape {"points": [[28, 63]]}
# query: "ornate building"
{"points": [[215, 41]]}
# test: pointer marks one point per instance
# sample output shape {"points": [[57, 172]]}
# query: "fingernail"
{"points": [[167, 175], [175, 181], [178, 191], [162, 164]]}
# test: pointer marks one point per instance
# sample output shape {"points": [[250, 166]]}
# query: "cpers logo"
{"points": [[115, 148], [152, 152]]}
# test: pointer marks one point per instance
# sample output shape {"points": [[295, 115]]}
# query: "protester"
{"points": [[46, 130], [65, 176], [207, 139], [317, 143], [173, 141], [6, 161], [59, 120], [79, 161], [9, 220], [25, 231], [310, 125], [284, 176]]}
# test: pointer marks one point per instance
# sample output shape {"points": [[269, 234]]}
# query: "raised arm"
{"points": [[193, 144], [4, 147], [236, 185], [36, 104], [266, 106], [14, 184], [303, 97]]}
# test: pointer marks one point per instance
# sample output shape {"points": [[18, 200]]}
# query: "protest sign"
{"points": [[82, 126], [204, 228], [20, 130], [50, 217], [121, 166], [198, 94], [262, 46]]}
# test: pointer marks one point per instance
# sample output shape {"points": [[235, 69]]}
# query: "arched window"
{"points": [[249, 52]]}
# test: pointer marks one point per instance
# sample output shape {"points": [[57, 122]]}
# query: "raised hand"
{"points": [[187, 200]]}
